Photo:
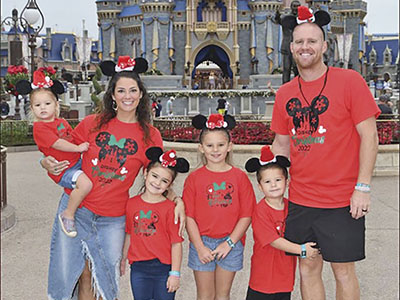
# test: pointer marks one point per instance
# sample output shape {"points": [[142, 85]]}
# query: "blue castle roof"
{"points": [[57, 42], [243, 5], [391, 40], [180, 5], [127, 11]]}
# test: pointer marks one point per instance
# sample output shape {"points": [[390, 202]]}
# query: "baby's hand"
{"points": [[205, 255], [83, 147], [311, 251], [173, 283]]}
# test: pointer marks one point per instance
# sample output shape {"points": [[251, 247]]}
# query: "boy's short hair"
{"points": [[271, 166]]}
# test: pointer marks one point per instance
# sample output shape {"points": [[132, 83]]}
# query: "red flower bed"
{"points": [[388, 132]]}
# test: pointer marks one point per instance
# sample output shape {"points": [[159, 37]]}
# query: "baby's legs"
{"points": [[214, 285], [83, 187]]}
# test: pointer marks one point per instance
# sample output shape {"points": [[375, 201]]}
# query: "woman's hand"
{"points": [[53, 166], [180, 214], [173, 283], [221, 251]]}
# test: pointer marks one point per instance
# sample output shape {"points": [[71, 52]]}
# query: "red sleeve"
{"points": [[43, 135], [360, 101], [263, 229], [279, 124], [188, 196], [247, 197], [81, 132], [173, 229]]}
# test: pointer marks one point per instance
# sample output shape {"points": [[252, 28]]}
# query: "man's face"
{"points": [[293, 6], [308, 45]]}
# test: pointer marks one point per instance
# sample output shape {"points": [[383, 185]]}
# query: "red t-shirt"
{"points": [[324, 147], [217, 200], [115, 156], [272, 271], [46, 134], [152, 230]]}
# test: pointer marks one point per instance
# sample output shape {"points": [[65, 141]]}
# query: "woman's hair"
{"points": [[142, 111], [204, 132], [49, 91], [154, 164], [271, 166]]}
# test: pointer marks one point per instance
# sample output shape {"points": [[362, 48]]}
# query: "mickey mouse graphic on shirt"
{"points": [[220, 194], [144, 224]]}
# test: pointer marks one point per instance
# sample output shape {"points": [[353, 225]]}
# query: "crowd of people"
{"points": [[325, 126]]}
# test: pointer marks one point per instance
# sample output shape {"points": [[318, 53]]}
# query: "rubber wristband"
{"points": [[230, 242], [303, 251], [175, 273], [363, 187]]}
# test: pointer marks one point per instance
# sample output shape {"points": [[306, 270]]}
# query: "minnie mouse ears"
{"points": [[168, 159], [40, 80], [306, 15], [267, 157], [214, 121], [125, 63]]}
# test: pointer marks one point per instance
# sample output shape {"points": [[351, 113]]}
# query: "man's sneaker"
{"points": [[67, 225]]}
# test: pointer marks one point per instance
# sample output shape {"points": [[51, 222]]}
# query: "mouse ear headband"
{"points": [[168, 159], [214, 121], [125, 64], [306, 15], [40, 80], [266, 157]]}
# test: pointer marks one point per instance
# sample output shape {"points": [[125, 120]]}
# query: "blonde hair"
{"points": [[55, 98]]}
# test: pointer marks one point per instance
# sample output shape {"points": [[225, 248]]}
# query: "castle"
{"points": [[240, 36]]}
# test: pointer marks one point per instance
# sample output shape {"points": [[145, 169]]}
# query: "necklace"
{"points": [[323, 86]]}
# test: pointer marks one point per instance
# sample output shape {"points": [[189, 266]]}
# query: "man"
{"points": [[287, 60], [383, 106], [158, 109], [170, 111], [325, 119]]}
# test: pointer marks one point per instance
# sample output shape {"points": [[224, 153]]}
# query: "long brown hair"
{"points": [[142, 111]]}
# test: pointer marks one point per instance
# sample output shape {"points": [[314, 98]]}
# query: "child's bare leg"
{"points": [[205, 283], [83, 187], [223, 283]]}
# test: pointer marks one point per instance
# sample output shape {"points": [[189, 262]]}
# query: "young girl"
{"points": [[152, 243], [272, 271], [219, 202], [53, 138]]}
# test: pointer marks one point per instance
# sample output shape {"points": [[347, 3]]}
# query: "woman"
{"points": [[118, 138]]}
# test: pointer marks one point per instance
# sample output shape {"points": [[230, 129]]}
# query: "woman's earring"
{"points": [[114, 105]]}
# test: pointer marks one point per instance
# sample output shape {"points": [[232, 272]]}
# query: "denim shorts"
{"points": [[99, 240], [68, 180], [233, 262]]}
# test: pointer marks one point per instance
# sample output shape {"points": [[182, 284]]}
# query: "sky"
{"points": [[67, 15]]}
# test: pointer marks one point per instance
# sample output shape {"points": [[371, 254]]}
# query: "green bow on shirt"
{"points": [[145, 216], [113, 142], [219, 187], [61, 126]]}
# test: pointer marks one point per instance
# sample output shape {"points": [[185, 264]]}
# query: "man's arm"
{"points": [[281, 145], [368, 150]]}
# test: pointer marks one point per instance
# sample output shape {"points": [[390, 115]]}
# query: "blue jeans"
{"points": [[99, 240], [149, 280]]}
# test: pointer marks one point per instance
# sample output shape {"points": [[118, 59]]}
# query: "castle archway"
{"points": [[215, 54]]}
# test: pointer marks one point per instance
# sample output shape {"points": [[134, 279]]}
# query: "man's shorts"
{"points": [[68, 180], [340, 237], [233, 262]]}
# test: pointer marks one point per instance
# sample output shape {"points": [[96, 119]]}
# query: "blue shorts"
{"points": [[99, 240], [233, 262], [68, 180]]}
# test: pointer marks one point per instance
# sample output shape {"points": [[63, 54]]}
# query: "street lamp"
{"points": [[31, 15]]}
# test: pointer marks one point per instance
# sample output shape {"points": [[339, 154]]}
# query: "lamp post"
{"points": [[31, 15]]}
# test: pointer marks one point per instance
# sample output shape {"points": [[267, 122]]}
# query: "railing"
{"points": [[3, 176]]}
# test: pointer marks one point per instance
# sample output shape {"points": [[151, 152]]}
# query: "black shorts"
{"points": [[255, 295], [340, 237]]}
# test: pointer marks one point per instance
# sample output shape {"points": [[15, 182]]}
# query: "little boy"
{"points": [[272, 271]]}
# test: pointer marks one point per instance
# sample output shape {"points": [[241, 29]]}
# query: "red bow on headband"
{"points": [[266, 155], [168, 159], [215, 121], [125, 63], [40, 80]]}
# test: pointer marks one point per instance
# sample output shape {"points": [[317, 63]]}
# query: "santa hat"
{"points": [[125, 64], [168, 159], [266, 157], [306, 15], [40, 80]]}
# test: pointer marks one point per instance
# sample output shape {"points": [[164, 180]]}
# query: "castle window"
{"points": [[179, 14], [105, 3], [118, 3]]}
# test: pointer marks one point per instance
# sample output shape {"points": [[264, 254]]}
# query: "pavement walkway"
{"points": [[25, 247]]}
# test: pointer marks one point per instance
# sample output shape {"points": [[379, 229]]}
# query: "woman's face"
{"points": [[127, 95]]}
